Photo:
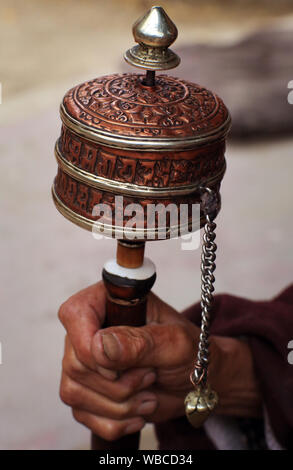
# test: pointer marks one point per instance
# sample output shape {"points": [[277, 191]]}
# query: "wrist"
{"points": [[232, 376]]}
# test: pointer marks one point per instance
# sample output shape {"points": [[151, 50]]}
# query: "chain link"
{"points": [[208, 266]]}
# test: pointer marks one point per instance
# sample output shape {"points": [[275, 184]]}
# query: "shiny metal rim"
{"points": [[128, 188], [113, 231], [140, 143]]}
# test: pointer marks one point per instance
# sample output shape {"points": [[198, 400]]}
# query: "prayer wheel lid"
{"points": [[127, 112]]}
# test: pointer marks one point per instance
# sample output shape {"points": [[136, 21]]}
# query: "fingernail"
{"points": [[134, 427], [107, 373], [148, 379], [111, 347], [147, 407]]}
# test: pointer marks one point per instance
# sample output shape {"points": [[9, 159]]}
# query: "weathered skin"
{"points": [[153, 361]]}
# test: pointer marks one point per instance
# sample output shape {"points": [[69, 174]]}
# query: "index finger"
{"points": [[82, 315]]}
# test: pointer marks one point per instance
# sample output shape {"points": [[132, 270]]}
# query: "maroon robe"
{"points": [[268, 327]]}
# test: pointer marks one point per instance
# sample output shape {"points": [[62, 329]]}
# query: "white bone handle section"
{"points": [[145, 271]]}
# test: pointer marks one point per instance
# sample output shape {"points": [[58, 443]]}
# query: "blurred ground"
{"points": [[46, 47]]}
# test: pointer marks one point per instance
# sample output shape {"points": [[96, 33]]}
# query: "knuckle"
{"points": [[73, 368], [124, 392], [134, 381], [78, 416], [112, 431], [68, 307], [86, 419], [182, 341], [63, 312], [139, 343], [123, 410], [83, 353], [69, 393]]}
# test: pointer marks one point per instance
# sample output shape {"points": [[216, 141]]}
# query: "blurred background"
{"points": [[242, 49]]}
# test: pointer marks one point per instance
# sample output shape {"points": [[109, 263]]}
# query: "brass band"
{"points": [[139, 143]]}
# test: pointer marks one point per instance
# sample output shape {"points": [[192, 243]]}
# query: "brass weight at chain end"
{"points": [[199, 404]]}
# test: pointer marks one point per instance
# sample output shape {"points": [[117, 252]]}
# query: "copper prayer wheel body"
{"points": [[155, 145]]}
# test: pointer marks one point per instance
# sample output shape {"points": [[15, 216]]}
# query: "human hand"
{"points": [[116, 379]]}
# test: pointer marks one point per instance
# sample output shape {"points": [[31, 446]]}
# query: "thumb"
{"points": [[164, 345], [82, 315]]}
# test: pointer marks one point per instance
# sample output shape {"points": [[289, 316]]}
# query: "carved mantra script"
{"points": [[120, 104], [201, 166], [82, 199]]}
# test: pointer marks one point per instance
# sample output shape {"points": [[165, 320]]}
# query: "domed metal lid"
{"points": [[141, 112]]}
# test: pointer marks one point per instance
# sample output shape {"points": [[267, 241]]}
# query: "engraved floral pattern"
{"points": [[120, 104]]}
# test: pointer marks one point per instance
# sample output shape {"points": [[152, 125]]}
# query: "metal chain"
{"points": [[208, 266]]}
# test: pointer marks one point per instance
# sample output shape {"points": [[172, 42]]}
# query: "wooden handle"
{"points": [[127, 289], [129, 442]]}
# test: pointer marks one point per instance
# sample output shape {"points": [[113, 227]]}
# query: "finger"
{"points": [[119, 390], [72, 365], [108, 429], [82, 315], [127, 385], [161, 345], [78, 396], [169, 407]]}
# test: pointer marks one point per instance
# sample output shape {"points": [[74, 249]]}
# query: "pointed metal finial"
{"points": [[154, 33]]}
